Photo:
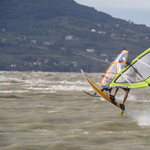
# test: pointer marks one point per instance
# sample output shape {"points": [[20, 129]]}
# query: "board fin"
{"points": [[122, 112]]}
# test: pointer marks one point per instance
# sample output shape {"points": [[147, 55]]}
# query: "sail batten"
{"points": [[143, 63], [127, 80]]}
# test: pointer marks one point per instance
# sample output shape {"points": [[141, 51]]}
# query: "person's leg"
{"points": [[126, 96], [116, 90], [112, 97], [110, 89]]}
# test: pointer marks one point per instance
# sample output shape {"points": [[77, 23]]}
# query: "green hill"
{"points": [[53, 35]]}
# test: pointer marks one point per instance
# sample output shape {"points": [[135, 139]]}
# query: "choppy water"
{"points": [[49, 111]]}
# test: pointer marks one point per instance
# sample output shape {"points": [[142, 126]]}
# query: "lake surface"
{"points": [[49, 111]]}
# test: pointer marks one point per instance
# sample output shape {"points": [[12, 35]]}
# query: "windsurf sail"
{"points": [[136, 74], [116, 66]]}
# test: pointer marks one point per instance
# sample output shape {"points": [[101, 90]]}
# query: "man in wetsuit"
{"points": [[127, 90]]}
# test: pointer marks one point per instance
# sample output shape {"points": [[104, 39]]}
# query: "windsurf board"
{"points": [[98, 89]]}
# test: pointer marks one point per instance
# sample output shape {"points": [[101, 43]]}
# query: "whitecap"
{"points": [[10, 79], [53, 111], [70, 88], [143, 118], [14, 91]]}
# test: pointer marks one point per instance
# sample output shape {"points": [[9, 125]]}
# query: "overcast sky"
{"points": [[137, 11]]}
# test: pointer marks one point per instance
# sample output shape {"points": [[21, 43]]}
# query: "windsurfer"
{"points": [[106, 87], [132, 72]]}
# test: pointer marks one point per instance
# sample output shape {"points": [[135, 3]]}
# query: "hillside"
{"points": [[46, 9], [53, 35]]}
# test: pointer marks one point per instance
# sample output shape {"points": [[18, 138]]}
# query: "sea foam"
{"points": [[143, 118]]}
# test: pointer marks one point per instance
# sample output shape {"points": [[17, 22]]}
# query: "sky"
{"points": [[137, 11]]}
